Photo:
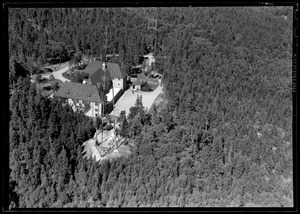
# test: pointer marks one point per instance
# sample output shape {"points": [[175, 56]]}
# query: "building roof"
{"points": [[142, 77], [92, 67], [100, 77], [137, 82], [80, 91], [96, 75], [116, 71]]}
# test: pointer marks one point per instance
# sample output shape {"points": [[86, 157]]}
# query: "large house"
{"points": [[104, 86], [83, 97], [100, 73], [97, 76]]}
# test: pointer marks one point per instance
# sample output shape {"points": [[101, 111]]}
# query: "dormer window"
{"points": [[68, 92], [89, 96]]}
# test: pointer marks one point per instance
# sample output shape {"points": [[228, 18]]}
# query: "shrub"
{"points": [[48, 70], [38, 78], [145, 87], [77, 77], [51, 78], [48, 88], [82, 67], [54, 85]]}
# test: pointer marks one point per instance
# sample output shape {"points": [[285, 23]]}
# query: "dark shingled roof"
{"points": [[96, 74], [92, 67], [97, 77], [116, 71], [80, 91], [143, 77]]}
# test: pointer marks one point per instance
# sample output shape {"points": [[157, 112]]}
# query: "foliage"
{"points": [[226, 77], [77, 77], [146, 87], [38, 78]]}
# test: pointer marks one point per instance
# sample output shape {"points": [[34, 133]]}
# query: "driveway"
{"points": [[128, 100], [58, 74]]}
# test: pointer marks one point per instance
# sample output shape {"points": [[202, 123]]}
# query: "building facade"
{"points": [[118, 75], [82, 97]]}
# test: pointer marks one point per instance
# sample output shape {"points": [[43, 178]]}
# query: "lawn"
{"points": [[67, 74], [153, 85]]}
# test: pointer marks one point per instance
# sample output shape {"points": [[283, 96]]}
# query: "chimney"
{"points": [[103, 66]]}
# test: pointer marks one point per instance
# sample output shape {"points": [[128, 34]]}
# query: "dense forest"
{"points": [[221, 139]]}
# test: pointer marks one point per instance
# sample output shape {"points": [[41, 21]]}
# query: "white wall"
{"points": [[136, 87], [95, 108], [118, 83]]}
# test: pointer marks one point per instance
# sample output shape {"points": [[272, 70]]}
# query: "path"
{"points": [[58, 74], [128, 100]]}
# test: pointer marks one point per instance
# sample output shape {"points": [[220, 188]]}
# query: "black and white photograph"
{"points": [[150, 107]]}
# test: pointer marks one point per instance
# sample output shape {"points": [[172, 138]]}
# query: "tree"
{"points": [[194, 151], [38, 78], [77, 77], [123, 130], [145, 87], [51, 77], [13, 196], [55, 85]]}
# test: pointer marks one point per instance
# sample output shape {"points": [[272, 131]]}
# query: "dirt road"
{"points": [[58, 74], [128, 99]]}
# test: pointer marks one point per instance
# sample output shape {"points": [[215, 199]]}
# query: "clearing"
{"points": [[107, 146], [129, 97]]}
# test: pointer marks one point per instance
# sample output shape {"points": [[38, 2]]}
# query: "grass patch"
{"points": [[67, 74], [46, 93], [153, 86]]}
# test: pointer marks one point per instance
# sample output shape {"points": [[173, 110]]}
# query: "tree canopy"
{"points": [[222, 139]]}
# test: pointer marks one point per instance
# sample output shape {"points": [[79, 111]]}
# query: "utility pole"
{"points": [[104, 82], [152, 19], [152, 23], [102, 120], [106, 44], [106, 40]]}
